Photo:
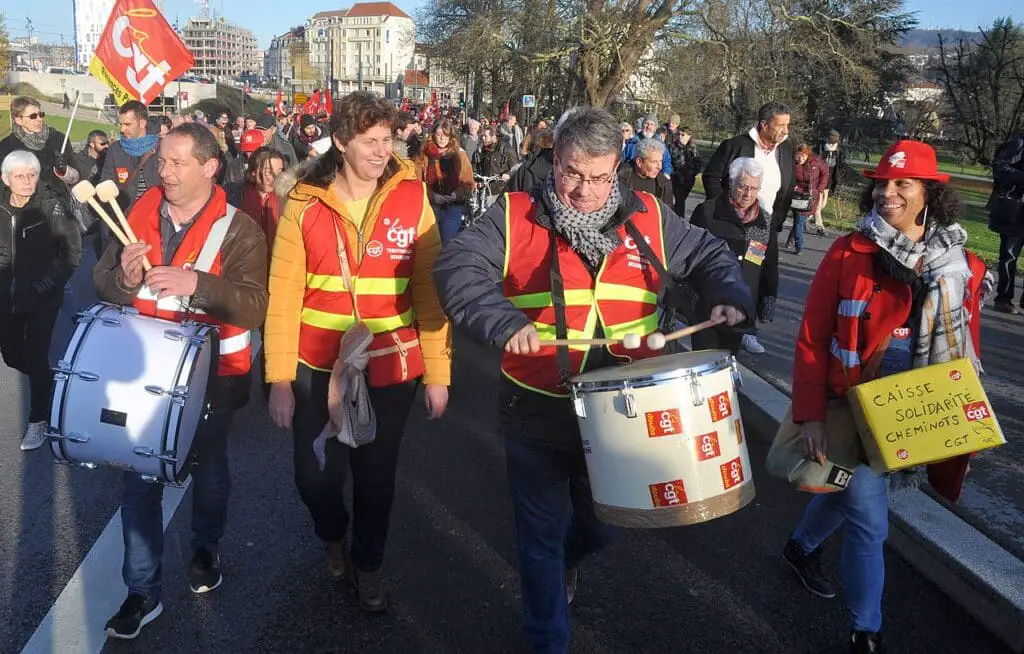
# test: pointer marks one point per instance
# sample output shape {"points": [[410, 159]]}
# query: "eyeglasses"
{"points": [[747, 189], [33, 116], [572, 180]]}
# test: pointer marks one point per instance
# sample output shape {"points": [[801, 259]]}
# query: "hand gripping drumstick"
{"points": [[85, 193], [107, 192]]}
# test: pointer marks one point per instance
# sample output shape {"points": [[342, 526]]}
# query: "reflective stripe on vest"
{"points": [[622, 297], [234, 342], [381, 263]]}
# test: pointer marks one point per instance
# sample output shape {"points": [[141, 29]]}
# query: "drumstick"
{"points": [[629, 341], [658, 341], [85, 193], [107, 192]]}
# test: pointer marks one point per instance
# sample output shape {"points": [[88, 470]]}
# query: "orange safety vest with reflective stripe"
{"points": [[622, 299], [203, 240], [381, 297]]}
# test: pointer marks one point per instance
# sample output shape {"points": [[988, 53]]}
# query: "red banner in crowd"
{"points": [[279, 105], [328, 103], [312, 106], [139, 53]]}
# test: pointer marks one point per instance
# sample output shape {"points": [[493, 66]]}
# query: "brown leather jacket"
{"points": [[237, 296]]}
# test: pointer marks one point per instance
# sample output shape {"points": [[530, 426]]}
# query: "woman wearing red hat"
{"points": [[900, 292]]}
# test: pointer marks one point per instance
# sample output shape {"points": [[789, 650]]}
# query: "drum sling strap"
{"points": [[211, 248], [558, 301], [672, 298]]}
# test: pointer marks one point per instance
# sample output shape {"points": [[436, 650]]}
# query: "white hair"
{"points": [[19, 160], [647, 146], [744, 166]]}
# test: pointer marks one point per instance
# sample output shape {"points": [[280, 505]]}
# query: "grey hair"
{"points": [[771, 110], [18, 160], [646, 146], [623, 126], [588, 131], [744, 166]]}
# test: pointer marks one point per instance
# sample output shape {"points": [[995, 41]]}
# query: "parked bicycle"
{"points": [[481, 199]]}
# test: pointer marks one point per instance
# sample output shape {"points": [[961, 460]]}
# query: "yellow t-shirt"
{"points": [[357, 211]]}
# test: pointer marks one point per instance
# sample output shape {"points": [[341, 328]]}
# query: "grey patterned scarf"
{"points": [[943, 333], [32, 141], [583, 230]]}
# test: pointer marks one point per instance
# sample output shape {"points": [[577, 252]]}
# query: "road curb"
{"points": [[979, 575]]}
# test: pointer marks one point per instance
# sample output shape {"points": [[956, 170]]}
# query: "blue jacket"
{"points": [[629, 154]]}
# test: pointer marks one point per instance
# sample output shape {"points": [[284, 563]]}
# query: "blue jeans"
{"points": [[864, 509], [142, 508], [449, 220], [556, 527], [797, 234]]}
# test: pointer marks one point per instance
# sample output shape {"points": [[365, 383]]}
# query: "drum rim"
{"points": [[716, 365], [58, 447], [171, 474]]}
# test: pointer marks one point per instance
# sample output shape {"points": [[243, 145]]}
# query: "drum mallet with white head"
{"points": [[107, 192], [85, 193], [657, 341], [629, 341]]}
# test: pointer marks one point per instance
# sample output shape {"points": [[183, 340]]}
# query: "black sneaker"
{"points": [[808, 568], [204, 571], [136, 612], [865, 642], [1005, 306]]}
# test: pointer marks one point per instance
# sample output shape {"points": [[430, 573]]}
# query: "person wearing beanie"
{"points": [[646, 130], [303, 138], [673, 124]]}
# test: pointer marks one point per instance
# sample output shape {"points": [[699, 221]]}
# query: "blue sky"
{"points": [[52, 18]]}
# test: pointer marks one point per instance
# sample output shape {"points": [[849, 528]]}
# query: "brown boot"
{"points": [[337, 559], [370, 587]]}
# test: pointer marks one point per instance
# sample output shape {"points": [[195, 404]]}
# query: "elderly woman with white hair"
{"points": [[644, 173], [38, 254], [739, 220]]}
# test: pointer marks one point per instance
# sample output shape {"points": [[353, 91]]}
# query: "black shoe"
{"points": [[1005, 306], [572, 582], [865, 642], [808, 568], [797, 251], [204, 571], [136, 612], [370, 588]]}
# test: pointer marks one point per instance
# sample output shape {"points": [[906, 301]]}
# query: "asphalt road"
{"points": [[715, 588], [993, 498]]}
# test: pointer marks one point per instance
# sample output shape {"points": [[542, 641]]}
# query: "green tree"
{"points": [[5, 45]]}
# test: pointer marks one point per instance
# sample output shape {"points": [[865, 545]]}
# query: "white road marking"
{"points": [[75, 623]]}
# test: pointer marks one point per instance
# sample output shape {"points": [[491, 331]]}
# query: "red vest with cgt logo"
{"points": [[381, 297], [622, 298]]}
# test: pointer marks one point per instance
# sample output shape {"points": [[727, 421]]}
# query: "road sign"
{"points": [[529, 101], [300, 99]]}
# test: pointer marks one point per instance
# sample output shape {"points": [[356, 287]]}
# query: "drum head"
{"points": [[670, 366]]}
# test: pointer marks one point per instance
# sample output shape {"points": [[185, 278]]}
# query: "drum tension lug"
{"points": [[577, 403], [696, 390], [173, 335], [74, 436], [630, 401], [737, 377]]}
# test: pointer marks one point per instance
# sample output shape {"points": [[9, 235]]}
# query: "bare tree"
{"points": [[984, 83], [5, 44]]}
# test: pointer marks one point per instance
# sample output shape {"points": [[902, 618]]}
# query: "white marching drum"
{"points": [[130, 392], [663, 439]]}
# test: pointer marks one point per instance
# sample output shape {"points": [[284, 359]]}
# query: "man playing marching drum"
{"points": [[501, 283], [177, 223]]}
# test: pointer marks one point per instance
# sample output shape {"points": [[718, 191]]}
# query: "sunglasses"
{"points": [[40, 114]]}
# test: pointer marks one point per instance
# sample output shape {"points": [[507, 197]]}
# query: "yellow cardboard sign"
{"points": [[924, 416]]}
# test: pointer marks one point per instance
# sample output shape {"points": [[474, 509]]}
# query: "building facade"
{"points": [[368, 46], [90, 18], [221, 49]]}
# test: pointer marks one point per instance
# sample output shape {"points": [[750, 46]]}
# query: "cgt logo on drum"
{"points": [[669, 493], [663, 423], [721, 406], [732, 473], [708, 447]]}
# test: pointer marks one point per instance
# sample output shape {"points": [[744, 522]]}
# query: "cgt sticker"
{"points": [[721, 406], [669, 493], [122, 175], [374, 249], [732, 473], [977, 411], [663, 423], [708, 447]]}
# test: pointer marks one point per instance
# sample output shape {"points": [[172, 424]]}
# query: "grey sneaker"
{"points": [[35, 436], [752, 345]]}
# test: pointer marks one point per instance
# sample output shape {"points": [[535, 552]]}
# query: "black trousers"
{"points": [[1009, 252], [373, 466], [25, 346], [681, 191]]}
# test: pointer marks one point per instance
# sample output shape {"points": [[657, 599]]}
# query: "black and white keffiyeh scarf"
{"points": [[939, 260], [583, 230], [32, 141]]}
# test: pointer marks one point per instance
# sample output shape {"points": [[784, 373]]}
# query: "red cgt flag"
{"points": [[312, 106], [279, 105], [139, 53], [328, 105]]}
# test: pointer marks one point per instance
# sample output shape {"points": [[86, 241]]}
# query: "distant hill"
{"points": [[929, 39]]}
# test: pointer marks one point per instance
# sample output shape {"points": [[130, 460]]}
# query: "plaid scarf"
{"points": [[32, 141], [939, 260], [583, 230]]}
